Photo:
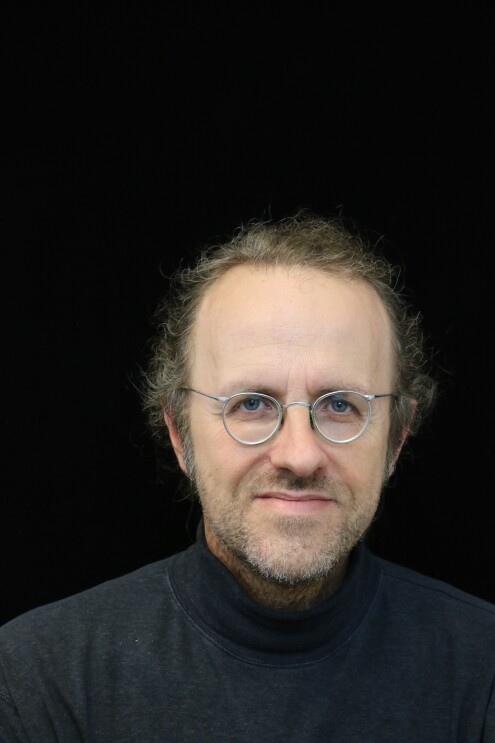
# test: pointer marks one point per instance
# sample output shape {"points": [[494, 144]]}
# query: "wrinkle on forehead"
{"points": [[267, 319]]}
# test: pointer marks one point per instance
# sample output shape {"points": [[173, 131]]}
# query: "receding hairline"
{"points": [[343, 277]]}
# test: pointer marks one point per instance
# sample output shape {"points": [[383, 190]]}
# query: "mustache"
{"points": [[287, 481]]}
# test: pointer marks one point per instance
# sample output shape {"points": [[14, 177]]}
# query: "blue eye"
{"points": [[250, 407], [251, 404], [339, 405]]}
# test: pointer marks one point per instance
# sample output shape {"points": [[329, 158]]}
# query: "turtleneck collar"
{"points": [[218, 605]]}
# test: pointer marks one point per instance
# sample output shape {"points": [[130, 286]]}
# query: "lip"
{"points": [[294, 496], [298, 503]]}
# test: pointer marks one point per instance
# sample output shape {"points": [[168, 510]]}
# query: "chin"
{"points": [[297, 556], [283, 573]]}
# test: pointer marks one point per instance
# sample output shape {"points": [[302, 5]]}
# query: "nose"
{"points": [[297, 446]]}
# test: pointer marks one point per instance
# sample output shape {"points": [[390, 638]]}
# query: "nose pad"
{"points": [[311, 420]]}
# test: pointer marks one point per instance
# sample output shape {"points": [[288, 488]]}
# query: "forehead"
{"points": [[269, 319]]}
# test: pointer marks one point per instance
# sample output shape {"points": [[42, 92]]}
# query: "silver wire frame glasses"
{"points": [[252, 418]]}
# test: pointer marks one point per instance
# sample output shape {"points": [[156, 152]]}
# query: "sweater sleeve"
{"points": [[11, 727], [489, 730]]}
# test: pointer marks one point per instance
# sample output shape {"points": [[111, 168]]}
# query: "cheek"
{"points": [[360, 463], [207, 435], [220, 462]]}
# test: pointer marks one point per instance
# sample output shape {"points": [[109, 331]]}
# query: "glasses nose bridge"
{"points": [[296, 402], [304, 404]]}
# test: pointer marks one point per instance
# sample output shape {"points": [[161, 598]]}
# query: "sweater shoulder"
{"points": [[415, 588], [117, 600]]}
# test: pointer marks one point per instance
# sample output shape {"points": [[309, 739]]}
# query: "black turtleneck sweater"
{"points": [[177, 651]]}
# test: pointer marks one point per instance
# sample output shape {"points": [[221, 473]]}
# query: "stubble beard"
{"points": [[283, 549]]}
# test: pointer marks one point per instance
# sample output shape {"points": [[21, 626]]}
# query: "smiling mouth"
{"points": [[296, 496], [298, 503]]}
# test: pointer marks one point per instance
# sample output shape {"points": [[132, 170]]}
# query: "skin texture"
{"points": [[284, 515]]}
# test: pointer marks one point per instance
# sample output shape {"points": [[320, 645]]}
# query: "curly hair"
{"points": [[301, 241]]}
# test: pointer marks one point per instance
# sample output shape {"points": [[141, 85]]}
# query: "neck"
{"points": [[296, 597]]}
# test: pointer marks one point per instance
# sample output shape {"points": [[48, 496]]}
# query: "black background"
{"points": [[137, 133]]}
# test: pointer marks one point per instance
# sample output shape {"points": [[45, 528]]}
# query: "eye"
{"points": [[251, 404], [251, 407], [342, 407], [339, 405]]}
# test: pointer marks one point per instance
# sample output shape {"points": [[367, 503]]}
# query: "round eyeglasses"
{"points": [[252, 417]]}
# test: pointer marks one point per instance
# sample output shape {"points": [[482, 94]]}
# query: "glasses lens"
{"points": [[251, 418], [341, 416]]}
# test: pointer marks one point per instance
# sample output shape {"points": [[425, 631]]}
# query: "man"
{"points": [[288, 373]]}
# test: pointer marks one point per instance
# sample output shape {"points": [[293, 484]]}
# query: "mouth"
{"points": [[295, 502]]}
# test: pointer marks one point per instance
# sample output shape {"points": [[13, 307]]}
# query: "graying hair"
{"points": [[303, 241]]}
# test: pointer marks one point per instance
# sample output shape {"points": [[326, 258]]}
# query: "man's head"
{"points": [[292, 310]]}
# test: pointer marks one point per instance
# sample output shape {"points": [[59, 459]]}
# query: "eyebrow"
{"points": [[341, 386], [248, 386], [243, 386]]}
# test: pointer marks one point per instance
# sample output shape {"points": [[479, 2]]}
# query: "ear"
{"points": [[397, 451], [402, 440], [176, 441]]}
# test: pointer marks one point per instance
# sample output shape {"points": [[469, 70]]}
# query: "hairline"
{"points": [[265, 265]]}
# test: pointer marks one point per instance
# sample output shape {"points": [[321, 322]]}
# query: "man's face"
{"points": [[293, 507]]}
